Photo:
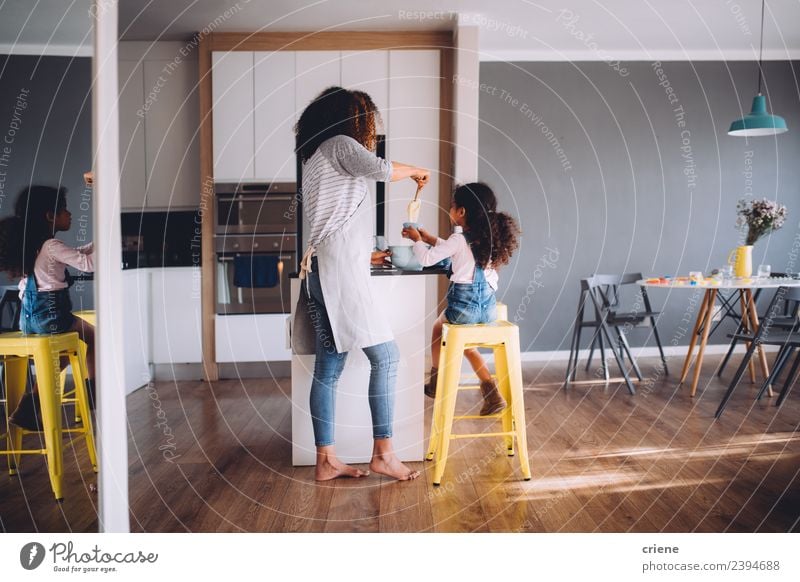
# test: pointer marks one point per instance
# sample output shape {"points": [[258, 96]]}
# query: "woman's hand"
{"points": [[421, 177], [401, 171], [379, 257]]}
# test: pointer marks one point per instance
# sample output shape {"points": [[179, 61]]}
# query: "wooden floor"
{"points": [[217, 458]]}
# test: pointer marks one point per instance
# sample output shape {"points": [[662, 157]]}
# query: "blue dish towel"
{"points": [[255, 271]]}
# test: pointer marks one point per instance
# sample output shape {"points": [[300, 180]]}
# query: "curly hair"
{"points": [[23, 234], [336, 111], [493, 236]]}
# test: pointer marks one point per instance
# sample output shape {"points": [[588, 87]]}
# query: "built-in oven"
{"points": [[255, 242], [256, 208], [252, 272]]}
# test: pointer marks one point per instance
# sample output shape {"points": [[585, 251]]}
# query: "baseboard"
{"points": [[642, 352], [227, 371]]}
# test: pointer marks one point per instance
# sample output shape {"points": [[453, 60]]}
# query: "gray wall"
{"points": [[50, 139], [606, 176]]}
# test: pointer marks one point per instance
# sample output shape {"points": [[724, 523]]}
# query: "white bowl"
{"points": [[403, 258]]}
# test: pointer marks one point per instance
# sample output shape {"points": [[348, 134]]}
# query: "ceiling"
{"points": [[508, 29]]}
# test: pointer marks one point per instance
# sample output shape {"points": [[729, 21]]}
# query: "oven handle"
{"points": [[254, 197], [226, 258]]}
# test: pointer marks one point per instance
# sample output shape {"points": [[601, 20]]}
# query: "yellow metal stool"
{"points": [[503, 338], [46, 351]]}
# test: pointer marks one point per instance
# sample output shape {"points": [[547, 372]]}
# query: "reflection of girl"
{"points": [[29, 250], [483, 240], [336, 139]]}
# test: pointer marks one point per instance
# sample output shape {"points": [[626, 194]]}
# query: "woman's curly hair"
{"points": [[23, 234], [336, 111], [493, 236]]}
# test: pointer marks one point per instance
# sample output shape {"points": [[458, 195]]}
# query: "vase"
{"points": [[742, 260]]}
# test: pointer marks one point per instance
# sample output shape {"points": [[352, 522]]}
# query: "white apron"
{"points": [[357, 319]]}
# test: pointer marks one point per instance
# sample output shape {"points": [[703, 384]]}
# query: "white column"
{"points": [[465, 101], [111, 414]]}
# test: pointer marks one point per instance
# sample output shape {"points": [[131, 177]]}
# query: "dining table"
{"points": [[744, 289]]}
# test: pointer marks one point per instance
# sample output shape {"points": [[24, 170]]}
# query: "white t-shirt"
{"points": [[53, 258], [456, 247]]}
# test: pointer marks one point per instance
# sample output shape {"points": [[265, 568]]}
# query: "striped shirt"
{"points": [[335, 183]]}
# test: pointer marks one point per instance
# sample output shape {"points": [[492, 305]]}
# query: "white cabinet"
{"points": [[414, 139], [172, 146], [133, 173], [368, 71], [176, 315], [159, 117], [232, 111], [136, 323], [257, 337], [274, 103], [316, 71]]}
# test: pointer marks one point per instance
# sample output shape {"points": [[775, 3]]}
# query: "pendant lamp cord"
{"points": [[761, 48]]}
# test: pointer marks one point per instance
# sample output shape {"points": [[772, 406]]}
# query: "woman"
{"points": [[336, 138]]}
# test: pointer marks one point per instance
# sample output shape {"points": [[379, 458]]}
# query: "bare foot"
{"points": [[332, 468], [389, 464]]}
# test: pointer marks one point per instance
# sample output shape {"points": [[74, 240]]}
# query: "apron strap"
{"points": [[305, 266]]}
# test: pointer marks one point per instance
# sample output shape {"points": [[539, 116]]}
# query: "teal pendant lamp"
{"points": [[759, 122]]}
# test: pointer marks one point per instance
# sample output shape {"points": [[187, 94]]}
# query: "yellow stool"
{"points": [[46, 351], [503, 338]]}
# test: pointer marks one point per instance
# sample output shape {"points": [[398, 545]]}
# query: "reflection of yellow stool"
{"points": [[503, 338], [46, 350]]}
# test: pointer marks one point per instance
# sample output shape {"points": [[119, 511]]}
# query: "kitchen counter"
{"points": [[405, 298], [391, 271]]}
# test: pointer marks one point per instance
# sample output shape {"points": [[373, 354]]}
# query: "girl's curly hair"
{"points": [[493, 236], [336, 111], [22, 235]]}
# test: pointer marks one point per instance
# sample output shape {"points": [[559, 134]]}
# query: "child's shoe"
{"points": [[493, 401], [28, 414], [430, 387]]}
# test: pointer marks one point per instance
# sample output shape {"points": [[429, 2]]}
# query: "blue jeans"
{"points": [[328, 366]]}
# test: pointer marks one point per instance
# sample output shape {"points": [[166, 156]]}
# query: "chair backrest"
{"points": [[791, 307], [781, 297], [606, 287]]}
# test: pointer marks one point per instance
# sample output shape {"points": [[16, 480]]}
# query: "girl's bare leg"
{"points": [[478, 364]]}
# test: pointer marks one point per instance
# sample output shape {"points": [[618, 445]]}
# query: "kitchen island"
{"points": [[403, 294]]}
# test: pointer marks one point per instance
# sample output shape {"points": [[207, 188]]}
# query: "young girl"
{"points": [[482, 240], [29, 250]]}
